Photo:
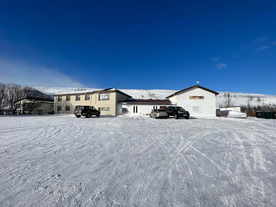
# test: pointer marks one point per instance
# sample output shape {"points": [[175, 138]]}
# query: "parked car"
{"points": [[86, 111], [177, 112], [158, 113]]}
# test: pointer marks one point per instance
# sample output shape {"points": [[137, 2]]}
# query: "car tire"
{"points": [[98, 115], [187, 117], [175, 116], [78, 116], [88, 115]]}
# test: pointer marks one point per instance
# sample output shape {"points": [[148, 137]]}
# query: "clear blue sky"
{"points": [[226, 45]]}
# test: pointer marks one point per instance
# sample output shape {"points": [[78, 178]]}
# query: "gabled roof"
{"points": [[148, 101], [193, 87]]}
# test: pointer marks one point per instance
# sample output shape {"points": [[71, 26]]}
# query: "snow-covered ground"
{"points": [[59, 160], [238, 99]]}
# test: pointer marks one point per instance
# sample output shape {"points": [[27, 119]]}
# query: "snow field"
{"points": [[59, 160]]}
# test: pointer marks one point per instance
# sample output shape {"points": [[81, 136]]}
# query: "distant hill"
{"points": [[238, 98]]}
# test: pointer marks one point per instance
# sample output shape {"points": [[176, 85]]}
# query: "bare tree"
{"points": [[12, 94], [3, 94], [259, 100], [228, 101]]}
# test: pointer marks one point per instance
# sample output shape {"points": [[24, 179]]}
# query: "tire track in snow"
{"points": [[212, 161], [167, 163]]}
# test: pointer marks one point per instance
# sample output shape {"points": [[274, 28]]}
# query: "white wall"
{"points": [[197, 107], [143, 110]]}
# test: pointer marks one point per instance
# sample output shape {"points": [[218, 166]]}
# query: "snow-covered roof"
{"points": [[93, 91]]}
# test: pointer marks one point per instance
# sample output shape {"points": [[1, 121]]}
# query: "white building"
{"points": [[141, 107], [199, 101]]}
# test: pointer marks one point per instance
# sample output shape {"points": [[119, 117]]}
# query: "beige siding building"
{"points": [[104, 100], [34, 105]]}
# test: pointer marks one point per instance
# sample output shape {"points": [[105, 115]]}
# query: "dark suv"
{"points": [[177, 112], [86, 111]]}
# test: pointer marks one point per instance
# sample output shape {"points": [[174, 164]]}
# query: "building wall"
{"points": [[197, 107], [45, 107], [94, 101], [111, 104], [72, 103], [142, 110]]}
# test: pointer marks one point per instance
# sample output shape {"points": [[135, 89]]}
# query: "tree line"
{"points": [[249, 108], [11, 93]]}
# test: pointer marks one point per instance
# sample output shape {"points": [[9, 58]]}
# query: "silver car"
{"points": [[158, 113]]}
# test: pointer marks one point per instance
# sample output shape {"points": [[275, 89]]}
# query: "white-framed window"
{"points": [[77, 97], [68, 98], [104, 96], [196, 97], [87, 97], [59, 108], [59, 98], [104, 108]]}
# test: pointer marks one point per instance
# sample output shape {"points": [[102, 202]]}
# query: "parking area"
{"points": [[61, 160]]}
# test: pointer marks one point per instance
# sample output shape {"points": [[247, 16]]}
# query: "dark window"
{"points": [[59, 108], [59, 98], [77, 97], [136, 109], [133, 109], [68, 98], [87, 97], [67, 108], [104, 96]]}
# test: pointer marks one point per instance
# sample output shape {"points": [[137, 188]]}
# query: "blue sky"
{"points": [[226, 45]]}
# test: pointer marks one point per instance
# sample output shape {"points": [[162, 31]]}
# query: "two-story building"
{"points": [[104, 100]]}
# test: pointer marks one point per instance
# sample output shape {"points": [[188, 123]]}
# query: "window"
{"points": [[67, 108], [104, 109], [59, 98], [196, 97], [77, 97], [59, 108], [68, 98], [87, 97], [104, 96], [135, 109]]}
